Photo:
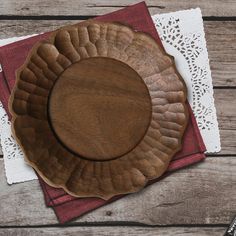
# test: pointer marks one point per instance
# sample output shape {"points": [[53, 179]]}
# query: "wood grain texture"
{"points": [[94, 7], [99, 115], [201, 194], [114, 231], [225, 101], [221, 44], [149, 96], [226, 112], [220, 38]]}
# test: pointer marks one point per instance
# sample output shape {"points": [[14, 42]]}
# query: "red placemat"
{"points": [[65, 206]]}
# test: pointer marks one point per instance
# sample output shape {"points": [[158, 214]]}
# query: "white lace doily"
{"points": [[182, 35], [15, 168]]}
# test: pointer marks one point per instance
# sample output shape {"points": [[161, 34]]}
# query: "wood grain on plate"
{"points": [[104, 109], [226, 112], [99, 109]]}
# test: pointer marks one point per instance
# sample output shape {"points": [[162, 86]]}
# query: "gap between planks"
{"points": [[86, 17]]}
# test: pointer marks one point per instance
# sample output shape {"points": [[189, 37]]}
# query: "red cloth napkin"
{"points": [[65, 206]]}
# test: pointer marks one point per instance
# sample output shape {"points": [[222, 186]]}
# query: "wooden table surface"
{"points": [[199, 200]]}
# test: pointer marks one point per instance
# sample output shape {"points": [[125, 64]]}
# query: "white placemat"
{"points": [[183, 37], [16, 169]]}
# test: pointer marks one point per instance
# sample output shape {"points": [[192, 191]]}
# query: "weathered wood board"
{"points": [[194, 195]]}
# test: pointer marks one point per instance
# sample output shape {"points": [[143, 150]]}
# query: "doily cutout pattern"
{"points": [[16, 169], [183, 37]]}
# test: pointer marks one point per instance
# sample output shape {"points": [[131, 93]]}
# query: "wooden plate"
{"points": [[99, 109]]}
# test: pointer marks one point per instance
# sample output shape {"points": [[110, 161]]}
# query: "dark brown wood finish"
{"points": [[100, 108], [57, 63]]}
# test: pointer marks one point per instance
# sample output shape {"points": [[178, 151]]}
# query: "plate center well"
{"points": [[100, 108]]}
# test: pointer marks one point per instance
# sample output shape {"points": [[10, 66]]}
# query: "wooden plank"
{"points": [[94, 7], [220, 37], [225, 100], [115, 231], [220, 41], [201, 194]]}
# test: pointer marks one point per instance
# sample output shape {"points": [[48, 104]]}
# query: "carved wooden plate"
{"points": [[99, 109]]}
